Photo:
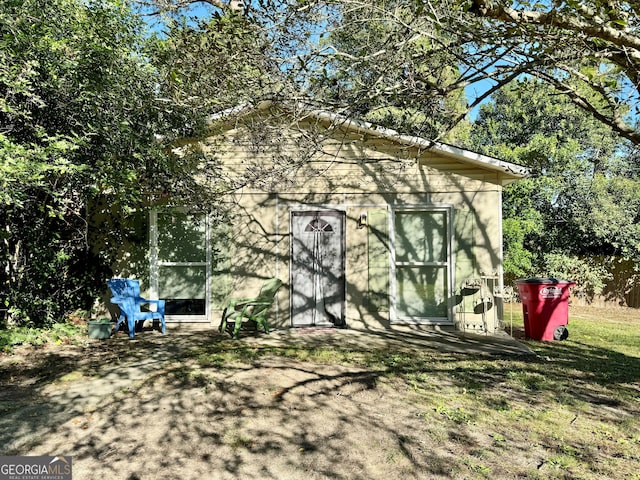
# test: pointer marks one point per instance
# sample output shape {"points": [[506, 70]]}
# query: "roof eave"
{"points": [[361, 126], [511, 172]]}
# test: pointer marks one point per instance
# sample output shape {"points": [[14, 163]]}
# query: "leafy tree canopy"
{"points": [[372, 54], [78, 147], [588, 51], [582, 200], [210, 64], [92, 103]]}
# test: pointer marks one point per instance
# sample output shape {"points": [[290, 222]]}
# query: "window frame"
{"points": [[448, 264], [155, 264]]}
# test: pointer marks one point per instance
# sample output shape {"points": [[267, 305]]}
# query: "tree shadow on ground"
{"points": [[197, 405]]}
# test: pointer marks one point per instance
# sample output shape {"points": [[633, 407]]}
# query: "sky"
{"points": [[202, 10]]}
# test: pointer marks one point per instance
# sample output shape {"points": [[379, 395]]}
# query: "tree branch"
{"points": [[614, 121], [497, 11], [158, 7]]}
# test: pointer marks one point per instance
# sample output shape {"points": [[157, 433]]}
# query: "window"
{"points": [[422, 266], [189, 263]]}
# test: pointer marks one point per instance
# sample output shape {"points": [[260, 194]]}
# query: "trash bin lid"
{"points": [[544, 281]]}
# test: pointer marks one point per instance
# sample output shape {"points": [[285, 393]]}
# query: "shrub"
{"points": [[590, 276]]}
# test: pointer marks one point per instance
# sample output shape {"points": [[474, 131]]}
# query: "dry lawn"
{"points": [[190, 405]]}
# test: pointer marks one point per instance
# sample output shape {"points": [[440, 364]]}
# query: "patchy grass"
{"points": [[570, 412], [56, 334]]}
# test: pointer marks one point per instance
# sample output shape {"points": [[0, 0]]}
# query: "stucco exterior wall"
{"points": [[356, 174]]}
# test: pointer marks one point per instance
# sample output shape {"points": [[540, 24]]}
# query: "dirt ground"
{"points": [[145, 409], [148, 409], [136, 409]]}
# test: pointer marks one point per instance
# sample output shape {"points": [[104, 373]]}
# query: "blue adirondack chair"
{"points": [[126, 294], [253, 309]]}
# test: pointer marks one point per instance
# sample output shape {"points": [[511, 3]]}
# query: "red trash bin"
{"points": [[545, 306]]}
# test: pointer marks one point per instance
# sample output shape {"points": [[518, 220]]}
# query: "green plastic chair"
{"points": [[253, 309]]}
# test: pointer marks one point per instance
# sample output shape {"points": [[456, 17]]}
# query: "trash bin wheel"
{"points": [[560, 333]]}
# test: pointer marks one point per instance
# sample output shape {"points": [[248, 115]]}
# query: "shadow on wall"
{"points": [[260, 243]]}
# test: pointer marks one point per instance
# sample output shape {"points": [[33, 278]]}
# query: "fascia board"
{"points": [[484, 161], [460, 154]]}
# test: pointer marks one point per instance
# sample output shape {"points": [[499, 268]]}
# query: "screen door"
{"points": [[318, 268]]}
